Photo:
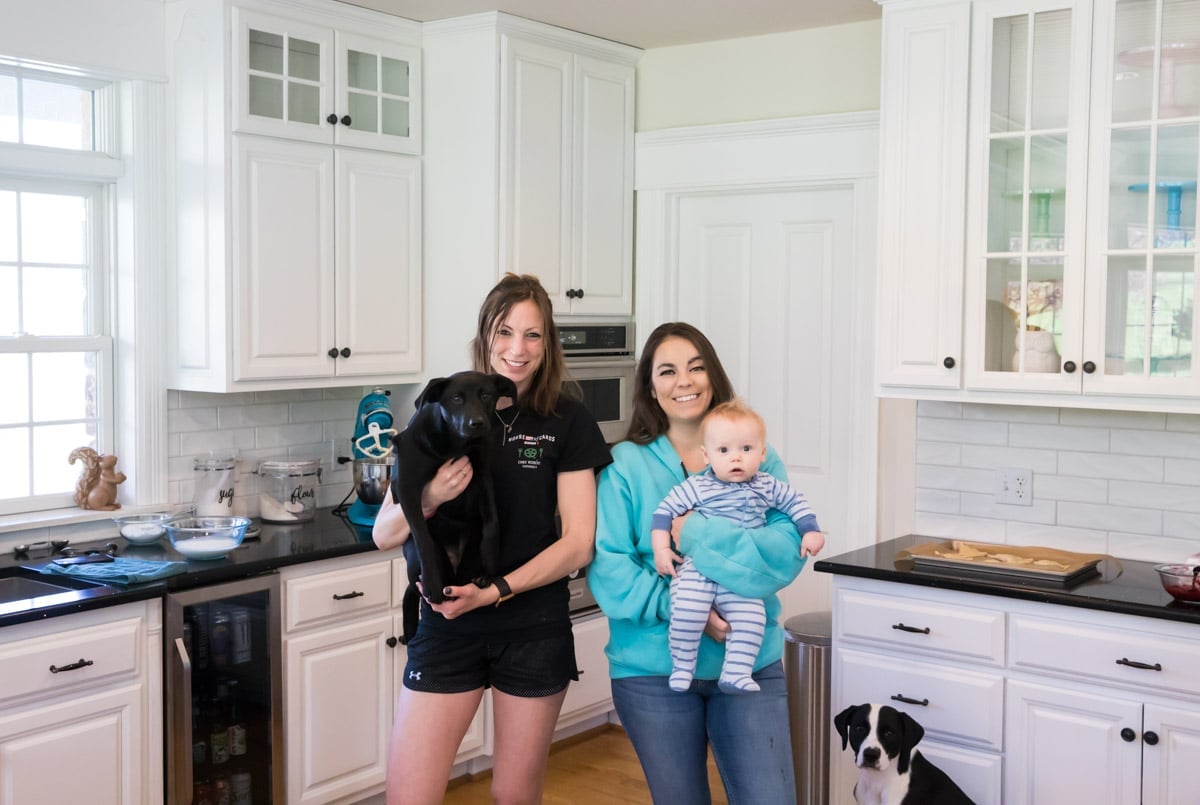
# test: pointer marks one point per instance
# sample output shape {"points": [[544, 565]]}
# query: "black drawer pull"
{"points": [[902, 698], [355, 594], [75, 666], [912, 629], [1143, 665]]}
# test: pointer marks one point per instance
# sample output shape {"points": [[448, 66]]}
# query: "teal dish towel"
{"points": [[120, 570]]}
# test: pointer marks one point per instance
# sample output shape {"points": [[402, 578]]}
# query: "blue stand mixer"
{"points": [[371, 452]]}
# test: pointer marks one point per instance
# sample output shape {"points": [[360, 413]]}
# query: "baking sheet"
{"points": [[1011, 563]]}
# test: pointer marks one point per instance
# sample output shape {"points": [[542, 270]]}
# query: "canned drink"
{"points": [[240, 635]]}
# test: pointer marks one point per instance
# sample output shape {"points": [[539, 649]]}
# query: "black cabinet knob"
{"points": [[948, 362], [1089, 367], [333, 353], [1128, 735], [391, 642], [579, 293], [332, 118], [1150, 737], [570, 293], [345, 120], [345, 352], [1069, 367]]}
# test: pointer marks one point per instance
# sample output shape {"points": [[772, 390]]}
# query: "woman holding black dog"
{"points": [[677, 381], [514, 635]]}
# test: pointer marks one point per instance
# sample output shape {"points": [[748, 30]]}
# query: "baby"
{"points": [[734, 444]]}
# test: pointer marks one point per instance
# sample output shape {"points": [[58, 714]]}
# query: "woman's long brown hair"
{"points": [[546, 384], [648, 421]]}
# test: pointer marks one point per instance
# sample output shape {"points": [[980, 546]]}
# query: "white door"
{"points": [[769, 277], [1169, 763]]}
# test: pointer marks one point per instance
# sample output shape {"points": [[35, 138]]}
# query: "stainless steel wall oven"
{"points": [[600, 359]]}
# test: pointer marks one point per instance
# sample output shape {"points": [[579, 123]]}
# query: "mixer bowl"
{"points": [[371, 479]]}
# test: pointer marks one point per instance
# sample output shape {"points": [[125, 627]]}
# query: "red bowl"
{"points": [[1181, 581]]}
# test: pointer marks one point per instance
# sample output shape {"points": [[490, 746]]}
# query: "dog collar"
{"points": [[505, 591]]}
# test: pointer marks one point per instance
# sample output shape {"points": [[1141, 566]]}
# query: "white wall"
{"points": [[810, 72], [117, 38], [1115, 482]]}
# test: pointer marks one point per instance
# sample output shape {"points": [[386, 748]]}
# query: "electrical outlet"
{"points": [[1014, 487]]}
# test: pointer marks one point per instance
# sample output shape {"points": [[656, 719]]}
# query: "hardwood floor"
{"points": [[596, 768]]}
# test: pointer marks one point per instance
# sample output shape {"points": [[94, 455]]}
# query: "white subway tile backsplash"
{"points": [[944, 453], [1063, 487], [1149, 548], [250, 416], [1182, 471], [1189, 423], [1087, 417], [1183, 525], [957, 430], [1155, 496], [955, 478], [202, 442], [1110, 518], [1167, 443], [996, 457], [1010, 413], [936, 500], [1058, 437], [328, 409], [180, 420], [976, 505], [944, 410], [284, 435], [1104, 465], [950, 526]]}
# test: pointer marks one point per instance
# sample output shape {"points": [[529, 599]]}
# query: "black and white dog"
{"points": [[462, 543], [891, 769]]}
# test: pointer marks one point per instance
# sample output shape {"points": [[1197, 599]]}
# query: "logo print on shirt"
{"points": [[414, 675]]}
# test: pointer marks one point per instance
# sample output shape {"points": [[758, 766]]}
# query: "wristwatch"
{"points": [[505, 591]]}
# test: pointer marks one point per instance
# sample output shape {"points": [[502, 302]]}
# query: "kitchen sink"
{"points": [[21, 583]]}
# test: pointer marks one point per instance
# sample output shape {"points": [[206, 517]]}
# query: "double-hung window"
{"points": [[57, 175]]}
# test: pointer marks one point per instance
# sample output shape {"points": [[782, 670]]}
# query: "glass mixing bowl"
{"points": [[1181, 581], [202, 537]]}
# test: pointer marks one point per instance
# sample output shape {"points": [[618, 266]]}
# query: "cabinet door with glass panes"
{"points": [[1027, 199], [303, 81], [1081, 248], [1142, 217]]}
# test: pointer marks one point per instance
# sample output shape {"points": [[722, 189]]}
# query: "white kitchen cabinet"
{"points": [[566, 174], [342, 672], [1078, 270], [84, 689], [292, 77], [591, 695], [529, 149], [1024, 702], [298, 256]]}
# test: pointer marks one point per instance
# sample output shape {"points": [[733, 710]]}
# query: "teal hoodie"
{"points": [[755, 562]]}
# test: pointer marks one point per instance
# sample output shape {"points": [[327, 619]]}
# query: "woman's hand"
{"points": [[449, 482], [461, 600], [717, 627]]}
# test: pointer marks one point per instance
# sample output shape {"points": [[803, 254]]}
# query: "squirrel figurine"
{"points": [[97, 486]]}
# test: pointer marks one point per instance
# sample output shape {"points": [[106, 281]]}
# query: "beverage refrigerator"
{"points": [[224, 694]]}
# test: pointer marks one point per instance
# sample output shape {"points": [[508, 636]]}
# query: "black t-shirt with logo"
{"points": [[526, 462]]}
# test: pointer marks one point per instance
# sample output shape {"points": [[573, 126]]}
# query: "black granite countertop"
{"points": [[1124, 585], [327, 536]]}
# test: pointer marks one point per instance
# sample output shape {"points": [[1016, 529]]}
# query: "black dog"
{"points": [[461, 543], [891, 770]]}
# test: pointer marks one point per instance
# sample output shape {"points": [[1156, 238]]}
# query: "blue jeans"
{"points": [[749, 733]]}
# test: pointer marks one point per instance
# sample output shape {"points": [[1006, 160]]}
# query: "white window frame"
{"points": [[130, 160]]}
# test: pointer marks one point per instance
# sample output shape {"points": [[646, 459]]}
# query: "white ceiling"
{"points": [[650, 23]]}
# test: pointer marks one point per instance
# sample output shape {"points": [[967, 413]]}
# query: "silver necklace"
{"points": [[508, 426]]}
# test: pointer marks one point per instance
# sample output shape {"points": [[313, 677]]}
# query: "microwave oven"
{"points": [[599, 358]]}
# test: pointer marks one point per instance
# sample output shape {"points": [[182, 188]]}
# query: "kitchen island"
{"points": [[1028, 693]]}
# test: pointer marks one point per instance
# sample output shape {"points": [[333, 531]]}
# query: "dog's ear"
{"points": [[432, 391], [912, 735], [505, 387], [842, 722]]}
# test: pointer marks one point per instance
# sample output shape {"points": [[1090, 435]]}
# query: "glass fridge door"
{"points": [[224, 694]]}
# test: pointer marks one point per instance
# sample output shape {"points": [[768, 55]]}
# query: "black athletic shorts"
{"points": [[440, 663]]}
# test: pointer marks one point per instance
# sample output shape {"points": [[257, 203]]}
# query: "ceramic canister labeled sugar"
{"points": [[214, 475]]}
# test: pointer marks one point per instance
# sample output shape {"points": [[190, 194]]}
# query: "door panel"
{"points": [[768, 276]]}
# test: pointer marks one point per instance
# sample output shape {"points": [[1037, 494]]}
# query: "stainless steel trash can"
{"points": [[806, 664]]}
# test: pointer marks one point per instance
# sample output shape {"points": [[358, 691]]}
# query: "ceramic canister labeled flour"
{"points": [[213, 493]]}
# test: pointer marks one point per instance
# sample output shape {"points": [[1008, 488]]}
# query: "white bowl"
{"points": [[142, 529], [206, 537]]}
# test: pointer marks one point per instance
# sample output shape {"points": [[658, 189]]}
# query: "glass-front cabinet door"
{"points": [[1143, 265], [1081, 257], [378, 91], [283, 77]]}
